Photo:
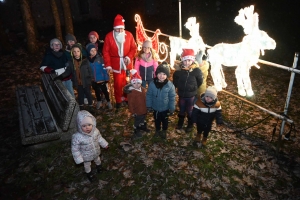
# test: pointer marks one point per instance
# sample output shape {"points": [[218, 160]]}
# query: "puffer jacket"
{"points": [[86, 147], [161, 99], [187, 80], [204, 113], [100, 74]]}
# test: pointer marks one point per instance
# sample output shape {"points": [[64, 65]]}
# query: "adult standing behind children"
{"points": [[160, 99], [101, 77], [187, 79], [118, 53], [146, 63], [55, 61]]}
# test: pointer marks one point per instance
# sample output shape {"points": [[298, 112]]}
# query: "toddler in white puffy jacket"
{"points": [[86, 143]]}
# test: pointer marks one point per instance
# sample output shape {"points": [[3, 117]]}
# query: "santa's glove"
{"points": [[149, 109]]}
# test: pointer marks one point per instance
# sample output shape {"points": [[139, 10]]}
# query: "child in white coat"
{"points": [[86, 143]]}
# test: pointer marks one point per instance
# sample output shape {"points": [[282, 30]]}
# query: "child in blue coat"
{"points": [[160, 99], [101, 77]]}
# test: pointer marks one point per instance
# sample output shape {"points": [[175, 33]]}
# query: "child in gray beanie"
{"points": [[206, 109]]}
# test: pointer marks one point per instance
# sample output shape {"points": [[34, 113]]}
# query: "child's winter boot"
{"points": [[109, 105], [144, 127], [197, 139], [90, 176], [190, 125], [180, 122], [163, 134], [157, 133], [204, 140], [99, 104], [137, 134]]}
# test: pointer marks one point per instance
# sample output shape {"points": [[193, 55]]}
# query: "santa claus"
{"points": [[118, 52]]}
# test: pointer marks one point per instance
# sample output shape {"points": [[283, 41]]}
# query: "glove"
{"points": [[127, 72], [60, 71], [134, 115], [149, 109]]}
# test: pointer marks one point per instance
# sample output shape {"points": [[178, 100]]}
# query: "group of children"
{"points": [[79, 68], [83, 69]]}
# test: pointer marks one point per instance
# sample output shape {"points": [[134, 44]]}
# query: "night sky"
{"points": [[277, 17]]}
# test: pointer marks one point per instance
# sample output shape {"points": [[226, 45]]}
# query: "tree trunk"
{"points": [[29, 26], [57, 24], [68, 17], [4, 42]]}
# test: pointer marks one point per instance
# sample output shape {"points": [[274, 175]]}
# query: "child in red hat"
{"points": [[136, 96], [187, 78]]}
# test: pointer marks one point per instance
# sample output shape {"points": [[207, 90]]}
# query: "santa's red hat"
{"points": [[119, 22], [188, 54], [135, 77]]}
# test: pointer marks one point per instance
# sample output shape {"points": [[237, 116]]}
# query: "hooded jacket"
{"points": [[86, 147], [187, 80]]}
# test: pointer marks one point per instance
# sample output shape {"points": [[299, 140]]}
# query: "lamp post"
{"points": [[180, 30]]}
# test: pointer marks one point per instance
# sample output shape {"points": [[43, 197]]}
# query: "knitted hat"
{"points": [[211, 92], [70, 37], [188, 54], [89, 47], [55, 40], [93, 33], [135, 77], [78, 45], [147, 43], [119, 22], [86, 120], [164, 68]]}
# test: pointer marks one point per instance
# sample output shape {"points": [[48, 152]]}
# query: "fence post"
{"points": [[287, 101]]}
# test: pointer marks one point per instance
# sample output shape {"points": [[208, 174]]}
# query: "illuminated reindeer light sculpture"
{"points": [[243, 55], [195, 42]]}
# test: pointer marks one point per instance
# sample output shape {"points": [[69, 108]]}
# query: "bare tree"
{"points": [[4, 42], [29, 26], [57, 24], [68, 16]]}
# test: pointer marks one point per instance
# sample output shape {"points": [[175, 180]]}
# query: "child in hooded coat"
{"points": [[206, 109], [86, 143], [136, 95]]}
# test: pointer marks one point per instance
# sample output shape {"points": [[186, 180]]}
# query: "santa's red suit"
{"points": [[114, 54]]}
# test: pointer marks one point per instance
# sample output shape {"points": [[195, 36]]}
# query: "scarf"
{"points": [[160, 85]]}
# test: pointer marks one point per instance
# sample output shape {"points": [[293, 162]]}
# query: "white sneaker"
{"points": [[99, 104], [86, 102], [109, 105]]}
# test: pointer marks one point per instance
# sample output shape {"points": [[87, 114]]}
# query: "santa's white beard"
{"points": [[120, 37]]}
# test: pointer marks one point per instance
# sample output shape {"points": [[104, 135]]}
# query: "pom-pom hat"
{"points": [[119, 22], [147, 43], [53, 41], [135, 77], [211, 92], [188, 54], [164, 68], [94, 33]]}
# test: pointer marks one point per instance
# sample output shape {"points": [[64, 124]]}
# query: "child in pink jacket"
{"points": [[146, 63]]}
